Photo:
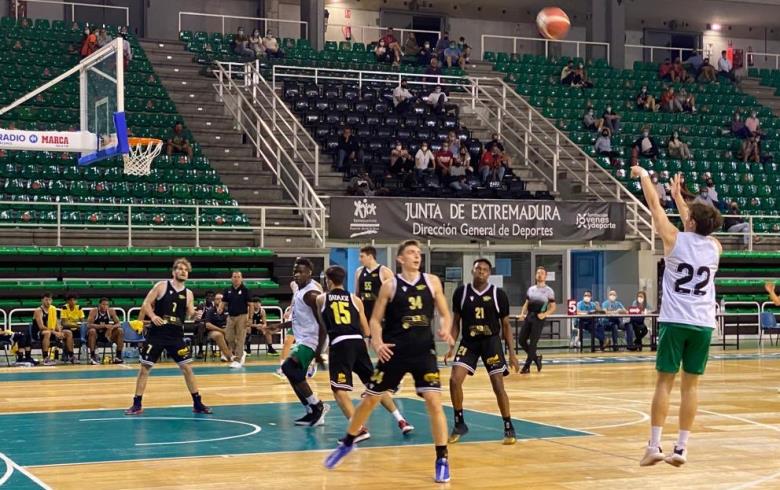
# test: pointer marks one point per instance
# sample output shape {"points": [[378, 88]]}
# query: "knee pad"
{"points": [[293, 371]]}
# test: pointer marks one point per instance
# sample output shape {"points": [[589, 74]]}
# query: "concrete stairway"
{"points": [[765, 95], [248, 181]]}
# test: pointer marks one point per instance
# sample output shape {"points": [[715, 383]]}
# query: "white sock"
{"points": [[397, 415], [682, 439], [312, 399], [655, 436]]}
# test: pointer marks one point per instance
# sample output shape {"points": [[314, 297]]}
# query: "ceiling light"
{"points": [[715, 27]]}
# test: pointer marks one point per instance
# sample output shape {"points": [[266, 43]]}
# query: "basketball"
{"points": [[553, 23]]}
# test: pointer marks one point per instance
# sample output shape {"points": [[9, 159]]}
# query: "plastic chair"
{"points": [[768, 324]]}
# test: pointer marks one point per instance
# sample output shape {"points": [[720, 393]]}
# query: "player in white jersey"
{"points": [[687, 316], [309, 340]]}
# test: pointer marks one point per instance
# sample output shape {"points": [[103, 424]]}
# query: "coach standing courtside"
{"points": [[237, 299]]}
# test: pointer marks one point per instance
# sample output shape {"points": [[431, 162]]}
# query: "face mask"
{"points": [[612, 297], [424, 148], [644, 90], [645, 134], [426, 45], [609, 109], [675, 135], [605, 134], [586, 299], [710, 183], [398, 147], [640, 300], [240, 32]]}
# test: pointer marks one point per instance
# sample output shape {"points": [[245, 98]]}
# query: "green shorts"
{"points": [[303, 353], [678, 342]]}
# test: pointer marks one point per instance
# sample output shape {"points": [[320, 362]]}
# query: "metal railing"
{"points": [[665, 50], [360, 77], [304, 148], [378, 32], [264, 20], [130, 226], [73, 5], [752, 58], [271, 152], [536, 139], [578, 45], [750, 220], [9, 322]]}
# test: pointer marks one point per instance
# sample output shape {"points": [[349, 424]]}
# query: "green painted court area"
{"points": [[96, 436]]}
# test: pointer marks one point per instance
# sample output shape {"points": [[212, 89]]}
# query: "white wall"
{"points": [[358, 17], [163, 15]]}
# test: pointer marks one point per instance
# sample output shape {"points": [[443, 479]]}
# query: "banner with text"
{"points": [[463, 219]]}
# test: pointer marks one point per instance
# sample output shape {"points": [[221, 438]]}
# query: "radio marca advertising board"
{"points": [[367, 218]]}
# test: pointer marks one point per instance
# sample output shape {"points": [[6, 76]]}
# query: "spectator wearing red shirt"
{"points": [[392, 44], [90, 42], [665, 70], [678, 72], [443, 161], [492, 167]]}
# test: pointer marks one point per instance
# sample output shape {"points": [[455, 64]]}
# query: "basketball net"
{"points": [[142, 152]]}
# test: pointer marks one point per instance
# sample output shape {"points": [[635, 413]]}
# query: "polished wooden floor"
{"points": [[735, 444]]}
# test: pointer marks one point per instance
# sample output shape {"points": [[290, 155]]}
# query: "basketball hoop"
{"points": [[142, 152]]}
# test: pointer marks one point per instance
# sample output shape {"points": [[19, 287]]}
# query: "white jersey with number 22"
{"points": [[689, 281]]}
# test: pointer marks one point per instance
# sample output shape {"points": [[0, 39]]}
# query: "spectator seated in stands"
{"points": [[707, 72], [89, 44], [663, 194], [349, 154], [493, 165], [725, 68], [645, 101], [753, 124], [103, 38], [567, 74], [438, 102], [603, 145], [425, 55], [665, 70], [670, 102], [636, 324], [453, 142], [271, 46], [645, 145], [403, 99], [442, 44], [392, 45], [423, 163], [382, 53], [679, 74], [581, 77], [687, 101], [589, 120], [610, 120], [401, 161], [712, 194], [460, 172], [495, 141], [704, 197], [256, 43], [750, 150], [442, 162], [737, 127], [453, 54], [587, 306], [433, 68], [361, 185], [737, 224], [677, 148], [463, 157], [613, 306], [241, 44], [465, 49], [177, 142], [411, 48], [695, 62]]}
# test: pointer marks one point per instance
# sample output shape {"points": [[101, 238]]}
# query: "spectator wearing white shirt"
{"points": [[423, 161], [438, 100], [725, 69], [271, 46], [603, 145], [403, 98]]}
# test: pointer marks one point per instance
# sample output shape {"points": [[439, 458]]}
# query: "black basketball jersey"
{"points": [[409, 317], [44, 319], [102, 318], [369, 283], [172, 308], [341, 317], [257, 317], [480, 311]]}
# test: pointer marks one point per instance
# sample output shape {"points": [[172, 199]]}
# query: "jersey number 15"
{"points": [[341, 312]]}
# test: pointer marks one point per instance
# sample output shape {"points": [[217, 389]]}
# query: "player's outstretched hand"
{"points": [[675, 185], [384, 351], [514, 363], [636, 171], [158, 321], [769, 286]]}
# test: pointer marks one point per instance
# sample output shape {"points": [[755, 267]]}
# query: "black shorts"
{"points": [[347, 357], [101, 335], [388, 375], [488, 349], [177, 349]]}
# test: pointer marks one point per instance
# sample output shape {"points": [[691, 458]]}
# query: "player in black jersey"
{"points": [[369, 278], [406, 345], [346, 324], [483, 309], [167, 306], [103, 326]]}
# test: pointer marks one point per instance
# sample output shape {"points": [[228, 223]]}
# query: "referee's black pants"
{"points": [[529, 336]]}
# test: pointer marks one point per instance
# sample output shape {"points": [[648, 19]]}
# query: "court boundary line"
{"points": [[255, 428], [14, 466]]}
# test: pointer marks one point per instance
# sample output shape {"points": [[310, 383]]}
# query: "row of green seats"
{"points": [[136, 251], [110, 175], [90, 302]]}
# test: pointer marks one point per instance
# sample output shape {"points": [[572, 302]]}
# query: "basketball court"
{"points": [[581, 423]]}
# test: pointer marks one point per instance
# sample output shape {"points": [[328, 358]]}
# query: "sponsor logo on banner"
{"points": [[466, 220], [33, 138]]}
